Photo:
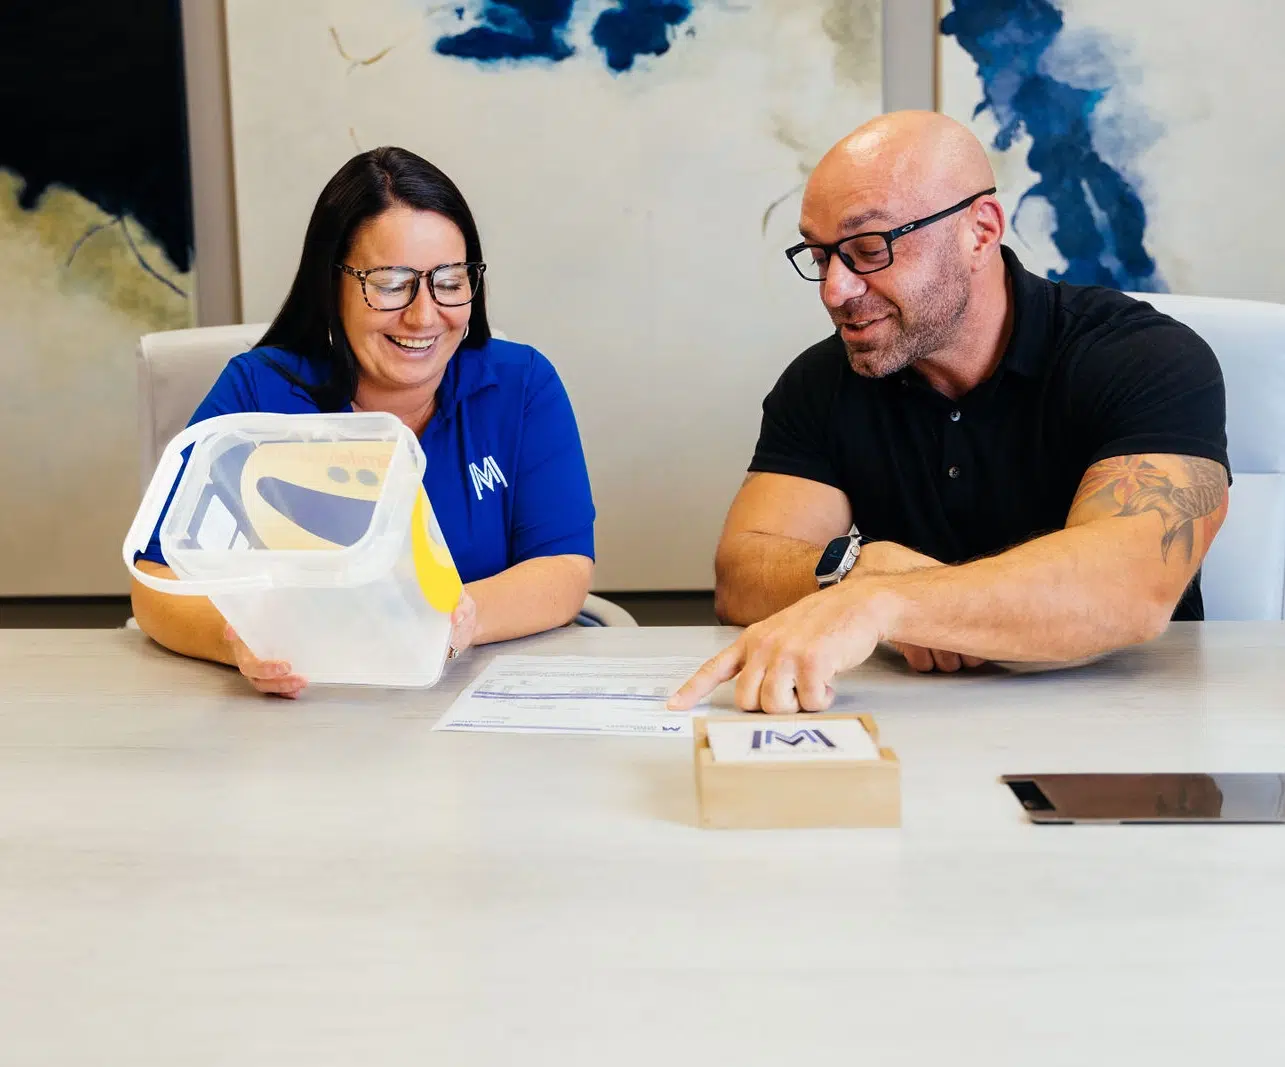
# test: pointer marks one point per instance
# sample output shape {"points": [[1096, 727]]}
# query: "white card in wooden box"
{"points": [[764, 739], [804, 782]]}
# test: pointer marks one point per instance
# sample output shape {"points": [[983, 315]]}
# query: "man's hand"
{"points": [[887, 557], [925, 660], [786, 662]]}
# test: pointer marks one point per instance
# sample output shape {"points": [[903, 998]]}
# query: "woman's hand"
{"points": [[463, 623], [266, 675]]}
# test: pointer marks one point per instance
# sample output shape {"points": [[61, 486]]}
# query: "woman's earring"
{"points": [[465, 337]]}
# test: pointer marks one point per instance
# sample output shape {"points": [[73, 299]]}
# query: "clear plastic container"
{"points": [[313, 536]]}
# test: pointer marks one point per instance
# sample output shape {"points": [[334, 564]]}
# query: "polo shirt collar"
{"points": [[1029, 344], [469, 371]]}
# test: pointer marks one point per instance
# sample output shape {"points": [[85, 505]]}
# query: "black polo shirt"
{"points": [[1088, 373]]}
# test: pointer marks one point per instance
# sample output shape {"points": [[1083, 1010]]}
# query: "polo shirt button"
{"points": [[954, 416], [953, 472]]}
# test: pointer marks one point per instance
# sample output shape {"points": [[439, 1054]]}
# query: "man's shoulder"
{"points": [[823, 361], [1087, 318], [1089, 324], [828, 352], [1108, 351], [1113, 333], [1093, 312]]}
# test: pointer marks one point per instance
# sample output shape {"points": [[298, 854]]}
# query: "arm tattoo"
{"points": [[1130, 485]]}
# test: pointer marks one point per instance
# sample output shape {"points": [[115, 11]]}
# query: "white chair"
{"points": [[1244, 574], [176, 369]]}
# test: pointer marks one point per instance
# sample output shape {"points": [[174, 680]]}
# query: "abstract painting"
{"points": [[95, 249], [1128, 139], [636, 169]]}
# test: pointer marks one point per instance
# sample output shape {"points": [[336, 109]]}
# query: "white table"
{"points": [[190, 874]]}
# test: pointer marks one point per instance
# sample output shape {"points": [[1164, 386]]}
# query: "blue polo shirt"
{"points": [[506, 472]]}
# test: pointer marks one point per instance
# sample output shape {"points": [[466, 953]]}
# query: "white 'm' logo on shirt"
{"points": [[487, 475]]}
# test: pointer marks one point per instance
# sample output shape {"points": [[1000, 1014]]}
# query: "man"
{"points": [[1037, 469]]}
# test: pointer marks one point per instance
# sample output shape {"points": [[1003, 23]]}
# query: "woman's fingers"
{"points": [[289, 686], [270, 676], [464, 623]]}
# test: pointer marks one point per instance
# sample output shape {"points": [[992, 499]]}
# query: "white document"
{"points": [[771, 741], [574, 695]]}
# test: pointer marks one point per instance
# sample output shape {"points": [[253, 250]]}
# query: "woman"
{"points": [[388, 313]]}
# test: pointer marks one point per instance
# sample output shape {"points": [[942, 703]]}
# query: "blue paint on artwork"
{"points": [[636, 28], [1100, 221], [508, 30], [518, 29]]}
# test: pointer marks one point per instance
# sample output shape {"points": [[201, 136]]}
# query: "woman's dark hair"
{"points": [[364, 187]]}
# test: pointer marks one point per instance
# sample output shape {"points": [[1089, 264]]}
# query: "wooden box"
{"points": [[802, 793]]}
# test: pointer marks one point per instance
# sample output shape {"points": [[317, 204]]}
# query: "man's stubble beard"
{"points": [[941, 309]]}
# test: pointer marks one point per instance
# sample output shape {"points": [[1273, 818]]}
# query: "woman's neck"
{"points": [[413, 406]]}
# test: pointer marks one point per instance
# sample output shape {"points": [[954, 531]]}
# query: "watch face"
{"points": [[832, 556]]}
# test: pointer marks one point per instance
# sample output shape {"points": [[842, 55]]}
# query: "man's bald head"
{"points": [[910, 162]]}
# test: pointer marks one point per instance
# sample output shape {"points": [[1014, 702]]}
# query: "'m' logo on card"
{"points": [[743, 740], [769, 738]]}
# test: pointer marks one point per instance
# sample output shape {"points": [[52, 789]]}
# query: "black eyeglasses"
{"points": [[863, 253], [393, 288]]}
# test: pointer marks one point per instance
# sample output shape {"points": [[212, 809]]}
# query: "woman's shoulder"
{"points": [[502, 376], [504, 352], [267, 363], [262, 379], [515, 365]]}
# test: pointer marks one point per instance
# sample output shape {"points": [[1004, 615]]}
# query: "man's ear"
{"points": [[986, 220]]}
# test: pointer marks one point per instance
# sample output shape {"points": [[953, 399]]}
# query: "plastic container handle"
{"points": [[149, 512]]}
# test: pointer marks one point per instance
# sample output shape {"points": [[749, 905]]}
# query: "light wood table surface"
{"points": [[192, 874]]}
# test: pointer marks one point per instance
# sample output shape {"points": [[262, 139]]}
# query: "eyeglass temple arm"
{"points": [[919, 224]]}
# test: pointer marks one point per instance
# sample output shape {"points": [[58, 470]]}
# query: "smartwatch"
{"points": [[839, 557]]}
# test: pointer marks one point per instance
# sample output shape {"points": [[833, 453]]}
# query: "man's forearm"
{"points": [[1071, 593], [758, 574]]}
